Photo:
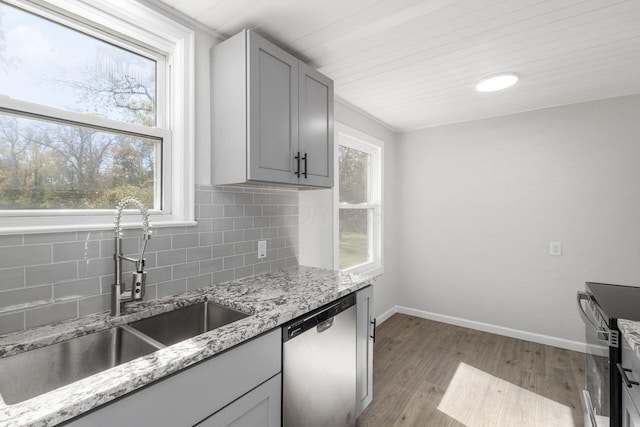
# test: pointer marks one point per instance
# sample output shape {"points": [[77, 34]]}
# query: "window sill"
{"points": [[368, 269], [33, 225]]}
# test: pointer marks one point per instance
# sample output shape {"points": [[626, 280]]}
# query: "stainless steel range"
{"points": [[601, 305]]}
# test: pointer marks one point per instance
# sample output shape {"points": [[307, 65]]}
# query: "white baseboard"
{"points": [[387, 314], [486, 327]]}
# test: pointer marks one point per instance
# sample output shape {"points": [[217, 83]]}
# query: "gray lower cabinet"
{"points": [[261, 407], [272, 116], [630, 395], [364, 348], [230, 384]]}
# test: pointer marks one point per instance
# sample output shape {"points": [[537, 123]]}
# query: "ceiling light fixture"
{"points": [[496, 82]]}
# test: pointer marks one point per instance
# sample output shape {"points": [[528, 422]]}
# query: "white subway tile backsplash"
{"points": [[72, 251], [94, 304], [222, 198], [76, 289], [26, 297], [243, 223], [211, 265], [211, 211], [243, 198], [233, 261], [158, 274], [49, 277], [211, 239], [199, 254], [233, 210], [262, 199], [181, 241], [52, 273], [156, 244], [242, 272], [171, 288], [177, 256], [222, 276], [221, 251], [19, 256], [32, 239], [233, 236], [11, 322], [197, 282], [186, 270], [11, 278], [51, 313], [222, 224], [252, 234], [12, 240]]}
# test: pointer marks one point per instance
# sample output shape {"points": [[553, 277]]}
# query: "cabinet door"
{"points": [[364, 349], [273, 112], [316, 127], [630, 415], [261, 407]]}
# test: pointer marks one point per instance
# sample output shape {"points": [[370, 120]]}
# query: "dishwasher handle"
{"points": [[327, 324]]}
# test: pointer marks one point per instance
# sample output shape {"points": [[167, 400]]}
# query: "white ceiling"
{"points": [[414, 63]]}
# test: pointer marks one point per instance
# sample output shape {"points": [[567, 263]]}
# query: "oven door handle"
{"points": [[602, 334]]}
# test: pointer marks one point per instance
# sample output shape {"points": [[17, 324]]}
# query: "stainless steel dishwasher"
{"points": [[319, 367]]}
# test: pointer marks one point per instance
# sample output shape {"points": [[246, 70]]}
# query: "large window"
{"points": [[85, 117], [359, 201]]}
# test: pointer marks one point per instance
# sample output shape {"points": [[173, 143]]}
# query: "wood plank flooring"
{"points": [[428, 373]]}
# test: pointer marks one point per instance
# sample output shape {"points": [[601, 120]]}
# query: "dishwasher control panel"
{"points": [[317, 317]]}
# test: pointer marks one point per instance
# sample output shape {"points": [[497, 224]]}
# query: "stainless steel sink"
{"points": [[38, 371], [187, 322]]}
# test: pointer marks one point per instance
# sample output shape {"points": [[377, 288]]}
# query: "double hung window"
{"points": [[85, 111], [359, 201]]}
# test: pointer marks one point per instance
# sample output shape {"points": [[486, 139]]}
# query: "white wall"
{"points": [[316, 214], [480, 202]]}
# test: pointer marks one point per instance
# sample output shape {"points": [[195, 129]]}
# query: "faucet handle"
{"points": [[138, 285]]}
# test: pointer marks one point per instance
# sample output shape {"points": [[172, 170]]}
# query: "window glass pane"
{"points": [[354, 175], [46, 165], [353, 242], [47, 63]]}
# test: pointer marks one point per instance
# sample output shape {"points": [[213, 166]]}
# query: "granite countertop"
{"points": [[631, 331], [273, 299]]}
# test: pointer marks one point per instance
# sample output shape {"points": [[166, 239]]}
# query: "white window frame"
{"points": [[353, 138], [139, 25]]}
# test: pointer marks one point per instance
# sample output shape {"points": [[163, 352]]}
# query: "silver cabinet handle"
{"points": [[623, 373]]}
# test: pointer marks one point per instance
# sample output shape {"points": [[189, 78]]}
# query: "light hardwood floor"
{"points": [[428, 373]]}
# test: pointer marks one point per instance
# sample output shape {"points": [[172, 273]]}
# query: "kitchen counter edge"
{"points": [[273, 299]]}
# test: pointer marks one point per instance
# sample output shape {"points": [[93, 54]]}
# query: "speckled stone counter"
{"points": [[273, 299], [631, 331]]}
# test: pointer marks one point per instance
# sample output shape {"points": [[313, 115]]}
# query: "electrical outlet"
{"points": [[262, 249], [555, 248]]}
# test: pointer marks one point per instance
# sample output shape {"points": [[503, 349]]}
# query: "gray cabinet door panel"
{"points": [[273, 110], [316, 126], [364, 349], [261, 407]]}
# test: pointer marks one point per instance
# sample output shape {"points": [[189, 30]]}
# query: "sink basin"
{"points": [[187, 322], [38, 371]]}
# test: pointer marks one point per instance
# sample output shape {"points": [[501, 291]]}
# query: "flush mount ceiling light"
{"points": [[496, 82]]}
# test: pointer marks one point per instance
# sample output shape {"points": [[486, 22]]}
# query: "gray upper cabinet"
{"points": [[315, 127], [272, 116]]}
